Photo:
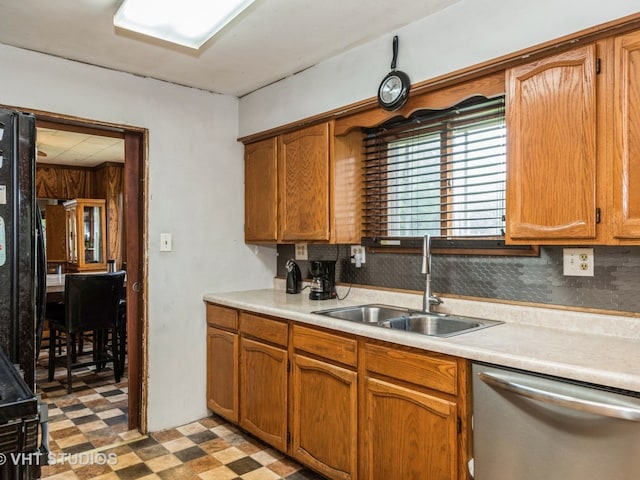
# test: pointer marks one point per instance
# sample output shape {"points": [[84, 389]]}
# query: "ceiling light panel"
{"points": [[185, 22]]}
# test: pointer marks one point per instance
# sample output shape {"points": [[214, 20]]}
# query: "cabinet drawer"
{"points": [[222, 317], [429, 370], [332, 347], [271, 331]]}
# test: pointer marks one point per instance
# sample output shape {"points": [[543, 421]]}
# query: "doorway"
{"points": [[132, 242]]}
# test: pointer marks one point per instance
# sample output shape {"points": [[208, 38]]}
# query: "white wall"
{"points": [[453, 38], [196, 193]]}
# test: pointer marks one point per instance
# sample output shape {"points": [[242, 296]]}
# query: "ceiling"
{"points": [[271, 40], [62, 147]]}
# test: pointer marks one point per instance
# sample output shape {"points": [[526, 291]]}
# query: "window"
{"points": [[440, 173]]}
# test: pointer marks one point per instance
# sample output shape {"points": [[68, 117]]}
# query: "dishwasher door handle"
{"points": [[596, 407]]}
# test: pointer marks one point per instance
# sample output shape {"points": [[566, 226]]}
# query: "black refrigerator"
{"points": [[22, 292]]}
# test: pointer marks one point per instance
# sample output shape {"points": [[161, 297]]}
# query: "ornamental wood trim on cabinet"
{"points": [[626, 164], [551, 135], [348, 196], [303, 183], [261, 191]]}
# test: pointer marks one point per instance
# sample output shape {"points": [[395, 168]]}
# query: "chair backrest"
{"points": [[92, 300]]}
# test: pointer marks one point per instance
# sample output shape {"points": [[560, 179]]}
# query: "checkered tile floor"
{"points": [[89, 439]]}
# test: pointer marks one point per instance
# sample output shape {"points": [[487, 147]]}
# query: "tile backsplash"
{"points": [[614, 286]]}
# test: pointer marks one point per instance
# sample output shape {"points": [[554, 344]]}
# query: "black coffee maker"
{"points": [[323, 279]]}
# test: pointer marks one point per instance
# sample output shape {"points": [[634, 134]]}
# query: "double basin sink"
{"points": [[398, 318]]}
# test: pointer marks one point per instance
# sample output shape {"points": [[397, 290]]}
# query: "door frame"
{"points": [[135, 206]]}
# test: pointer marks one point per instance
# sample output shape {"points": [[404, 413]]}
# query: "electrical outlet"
{"points": [[578, 262], [301, 251], [360, 252]]}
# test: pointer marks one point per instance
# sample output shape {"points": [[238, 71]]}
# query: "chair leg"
{"points": [[115, 353], [74, 351], [122, 346], [101, 337], [52, 352], [69, 342]]}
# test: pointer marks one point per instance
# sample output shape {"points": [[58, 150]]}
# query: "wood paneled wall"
{"points": [[62, 182], [104, 182], [107, 184]]}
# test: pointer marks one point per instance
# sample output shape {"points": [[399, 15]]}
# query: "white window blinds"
{"points": [[439, 172]]}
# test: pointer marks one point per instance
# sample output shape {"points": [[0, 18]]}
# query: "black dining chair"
{"points": [[91, 304]]}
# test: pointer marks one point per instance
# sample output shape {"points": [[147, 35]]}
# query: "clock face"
{"points": [[393, 91], [390, 89]]}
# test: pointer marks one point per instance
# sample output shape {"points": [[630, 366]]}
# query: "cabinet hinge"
{"points": [[597, 215], [459, 425], [598, 63]]}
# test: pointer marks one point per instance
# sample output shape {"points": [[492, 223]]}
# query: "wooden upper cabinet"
{"points": [[551, 139], [261, 191], [303, 183], [626, 163]]}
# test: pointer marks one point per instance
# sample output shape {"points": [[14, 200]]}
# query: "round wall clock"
{"points": [[394, 88]]}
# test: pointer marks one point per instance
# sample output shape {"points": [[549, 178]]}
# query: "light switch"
{"points": [[165, 242]]}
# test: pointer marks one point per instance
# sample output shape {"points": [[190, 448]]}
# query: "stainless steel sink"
{"points": [[399, 318], [437, 325], [373, 313]]}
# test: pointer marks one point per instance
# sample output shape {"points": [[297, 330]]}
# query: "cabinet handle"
{"points": [[136, 287]]}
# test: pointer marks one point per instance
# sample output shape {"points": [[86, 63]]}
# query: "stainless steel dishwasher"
{"points": [[534, 427]]}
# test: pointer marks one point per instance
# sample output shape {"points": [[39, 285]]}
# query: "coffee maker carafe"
{"points": [[323, 279]]}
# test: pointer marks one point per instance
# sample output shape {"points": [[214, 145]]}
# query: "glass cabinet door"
{"points": [[72, 235], [92, 222], [86, 234]]}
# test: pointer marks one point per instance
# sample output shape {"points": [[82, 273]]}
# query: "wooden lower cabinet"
{"points": [[324, 417], [348, 407], [408, 434], [263, 392], [222, 373]]}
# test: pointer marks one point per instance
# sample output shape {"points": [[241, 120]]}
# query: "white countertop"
{"points": [[595, 348]]}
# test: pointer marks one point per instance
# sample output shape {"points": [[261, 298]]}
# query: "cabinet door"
{"points": [[56, 233], [303, 184], [324, 430], [626, 165], [551, 163], [263, 389], [260, 191], [222, 373], [409, 435]]}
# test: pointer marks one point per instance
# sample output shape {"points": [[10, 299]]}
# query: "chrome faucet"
{"points": [[428, 299]]}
